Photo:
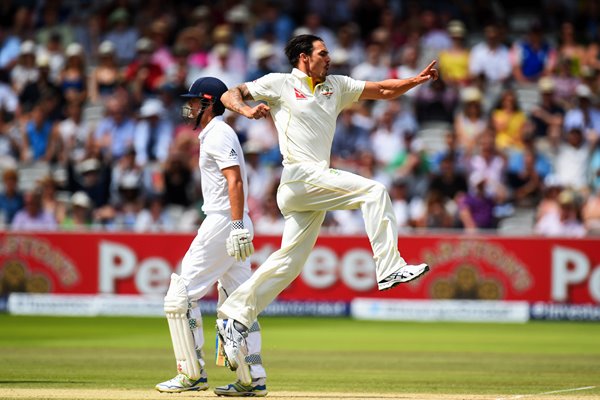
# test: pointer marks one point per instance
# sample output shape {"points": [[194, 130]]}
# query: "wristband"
{"points": [[237, 224]]}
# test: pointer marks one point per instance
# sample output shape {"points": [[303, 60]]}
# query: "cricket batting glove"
{"points": [[239, 244]]}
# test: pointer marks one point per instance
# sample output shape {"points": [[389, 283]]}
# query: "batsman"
{"points": [[304, 105], [219, 252]]}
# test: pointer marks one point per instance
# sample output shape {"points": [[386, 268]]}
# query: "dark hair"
{"points": [[298, 45]]}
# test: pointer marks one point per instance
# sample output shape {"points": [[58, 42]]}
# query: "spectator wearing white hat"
{"points": [[547, 115], [26, 70], [572, 160], [262, 53], [585, 116], [470, 121], [79, 214], [153, 133]]}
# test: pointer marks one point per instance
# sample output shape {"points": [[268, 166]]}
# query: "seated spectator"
{"points": [[572, 160], [591, 214], [585, 116], [593, 171], [490, 164], [567, 222], [453, 149], [454, 61], [177, 178], [39, 137], [10, 148], [413, 165], [11, 199], [126, 165], [406, 209], [75, 134], [154, 218], [9, 48], [50, 202], [32, 217], [476, 208], [490, 59], [408, 67], [470, 121], [525, 182], [436, 215], [349, 139], [509, 122], [123, 34], [449, 181], [115, 132], [143, 76], [436, 102], [387, 140], [92, 177], [270, 221], [73, 77], [79, 214], [26, 70], [547, 115], [533, 56], [153, 133], [42, 88], [372, 68], [569, 50], [105, 76]]}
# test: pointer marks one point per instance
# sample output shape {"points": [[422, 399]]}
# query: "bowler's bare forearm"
{"points": [[234, 99]]}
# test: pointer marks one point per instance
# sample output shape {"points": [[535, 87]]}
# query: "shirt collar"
{"points": [[304, 78], [211, 125]]}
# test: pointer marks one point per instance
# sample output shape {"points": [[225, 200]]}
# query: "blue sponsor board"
{"points": [[293, 308], [564, 312], [3, 304]]}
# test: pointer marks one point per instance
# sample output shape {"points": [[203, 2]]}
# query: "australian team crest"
{"points": [[326, 90]]}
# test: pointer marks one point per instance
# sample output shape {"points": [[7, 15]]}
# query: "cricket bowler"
{"points": [[304, 105], [219, 252]]}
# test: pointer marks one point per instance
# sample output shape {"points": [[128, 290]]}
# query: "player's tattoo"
{"points": [[237, 96]]}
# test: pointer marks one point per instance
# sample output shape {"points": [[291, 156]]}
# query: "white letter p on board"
{"points": [[568, 267]]}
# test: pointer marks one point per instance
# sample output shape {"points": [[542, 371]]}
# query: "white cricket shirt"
{"points": [[305, 116], [219, 148]]}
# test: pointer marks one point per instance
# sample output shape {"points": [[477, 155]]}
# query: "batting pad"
{"points": [[176, 310]]}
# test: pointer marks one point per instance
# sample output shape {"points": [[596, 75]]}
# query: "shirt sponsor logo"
{"points": [[299, 95]]}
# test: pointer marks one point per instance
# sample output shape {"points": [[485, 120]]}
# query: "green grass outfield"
{"points": [[313, 354]]}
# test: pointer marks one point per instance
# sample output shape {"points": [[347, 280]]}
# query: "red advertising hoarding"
{"points": [[338, 269]]}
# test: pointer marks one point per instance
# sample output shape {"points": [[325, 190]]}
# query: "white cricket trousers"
{"points": [[306, 192], [207, 262]]}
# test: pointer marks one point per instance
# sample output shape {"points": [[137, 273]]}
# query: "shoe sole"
{"points": [[241, 394], [394, 284], [192, 389]]}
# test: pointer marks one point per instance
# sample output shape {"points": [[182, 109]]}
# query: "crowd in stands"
{"points": [[91, 135]]}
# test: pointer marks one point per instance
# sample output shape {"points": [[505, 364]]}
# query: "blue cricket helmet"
{"points": [[208, 89]]}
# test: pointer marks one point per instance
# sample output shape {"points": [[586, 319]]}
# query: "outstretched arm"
{"points": [[392, 88], [234, 100]]}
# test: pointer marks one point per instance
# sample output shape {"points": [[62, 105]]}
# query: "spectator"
{"points": [[454, 61], [104, 77], [143, 76], [449, 181], [221, 66], [566, 222], [407, 210], [125, 166], [33, 217], [551, 188], [454, 150], [412, 165], [25, 71], [123, 34], [50, 202], [176, 178], [569, 51], [470, 121], [159, 34], [490, 59], [236, 58], [153, 133], [533, 57], [525, 182], [154, 218], [387, 140], [40, 137], [585, 117], [79, 215], [436, 102], [547, 116], [115, 131], [509, 122], [489, 166], [54, 52], [476, 208], [593, 171], [435, 216], [9, 48], [11, 199], [51, 23], [42, 88], [270, 221], [572, 161], [263, 53], [591, 214], [73, 76], [9, 141], [74, 134], [372, 68], [92, 177]]}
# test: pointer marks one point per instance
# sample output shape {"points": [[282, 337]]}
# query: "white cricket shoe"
{"points": [[406, 273], [181, 383], [258, 388], [233, 335]]}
